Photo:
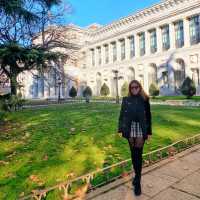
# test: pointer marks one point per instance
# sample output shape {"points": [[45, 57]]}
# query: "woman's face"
{"points": [[135, 88]]}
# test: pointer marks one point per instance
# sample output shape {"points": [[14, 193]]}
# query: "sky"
{"points": [[86, 12]]}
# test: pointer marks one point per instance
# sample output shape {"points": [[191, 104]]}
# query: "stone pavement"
{"points": [[176, 178]]}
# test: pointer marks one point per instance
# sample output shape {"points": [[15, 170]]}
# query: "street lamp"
{"points": [[117, 78], [59, 84]]}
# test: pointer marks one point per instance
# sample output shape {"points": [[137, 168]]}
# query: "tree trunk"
{"points": [[13, 84]]}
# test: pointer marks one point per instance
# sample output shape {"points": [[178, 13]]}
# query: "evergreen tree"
{"points": [[124, 89], [87, 93], [153, 90], [105, 91], [188, 88], [73, 92], [22, 21]]}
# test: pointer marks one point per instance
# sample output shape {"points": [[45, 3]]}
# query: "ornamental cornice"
{"points": [[135, 27], [156, 8]]}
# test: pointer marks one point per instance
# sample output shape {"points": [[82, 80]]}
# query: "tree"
{"points": [[104, 90], [124, 89], [153, 90], [22, 22], [188, 88], [87, 93], [73, 92], [15, 59]]}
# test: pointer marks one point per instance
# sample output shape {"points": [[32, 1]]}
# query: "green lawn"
{"points": [[39, 148]]}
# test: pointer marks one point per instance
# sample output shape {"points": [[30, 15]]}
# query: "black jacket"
{"points": [[137, 109]]}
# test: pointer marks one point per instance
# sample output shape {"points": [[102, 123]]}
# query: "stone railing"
{"points": [[125, 168], [190, 103], [43, 103]]}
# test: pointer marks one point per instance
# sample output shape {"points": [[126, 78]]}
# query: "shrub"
{"points": [[153, 90], [104, 90], [2, 116], [87, 93], [12, 102], [188, 88], [2, 112], [73, 92], [124, 89]]}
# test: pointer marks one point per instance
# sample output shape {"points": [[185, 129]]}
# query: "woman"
{"points": [[135, 126]]}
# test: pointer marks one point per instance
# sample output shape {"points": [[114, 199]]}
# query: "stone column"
{"points": [[91, 57], [88, 58], [110, 53], [186, 29], [96, 57], [172, 35], [147, 43], [45, 85], [159, 39], [103, 55], [118, 42], [127, 48], [137, 46]]}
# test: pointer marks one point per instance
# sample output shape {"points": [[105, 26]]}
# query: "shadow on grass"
{"points": [[52, 150]]}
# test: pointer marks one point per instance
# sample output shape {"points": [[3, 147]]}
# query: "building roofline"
{"points": [[134, 16]]}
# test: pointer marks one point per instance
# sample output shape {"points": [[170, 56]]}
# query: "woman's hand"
{"points": [[148, 137], [119, 134]]}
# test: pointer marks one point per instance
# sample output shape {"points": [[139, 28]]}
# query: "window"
{"points": [[153, 41], [195, 77], [114, 51], [106, 54], [99, 54], [194, 30], [35, 86], [165, 37], [54, 77], [93, 57], [41, 85], [132, 46], [123, 54], [52, 80], [142, 44], [179, 34]]}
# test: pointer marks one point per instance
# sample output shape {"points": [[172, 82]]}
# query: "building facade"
{"points": [[160, 44]]}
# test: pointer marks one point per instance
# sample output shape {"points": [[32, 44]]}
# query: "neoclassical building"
{"points": [[160, 44]]}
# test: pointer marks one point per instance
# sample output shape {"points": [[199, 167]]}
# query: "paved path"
{"points": [[176, 178]]}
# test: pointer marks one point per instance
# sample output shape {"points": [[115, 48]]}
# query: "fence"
{"points": [[93, 180]]}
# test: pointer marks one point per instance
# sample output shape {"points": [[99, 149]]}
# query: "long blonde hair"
{"points": [[142, 92]]}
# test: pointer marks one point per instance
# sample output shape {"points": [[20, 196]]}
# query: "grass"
{"points": [[41, 147]]}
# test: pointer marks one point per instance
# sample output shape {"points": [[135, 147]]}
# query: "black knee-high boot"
{"points": [[137, 157]]}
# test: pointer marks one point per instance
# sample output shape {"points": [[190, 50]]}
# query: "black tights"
{"points": [[136, 146]]}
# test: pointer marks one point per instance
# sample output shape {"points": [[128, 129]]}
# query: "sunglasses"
{"points": [[135, 87]]}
